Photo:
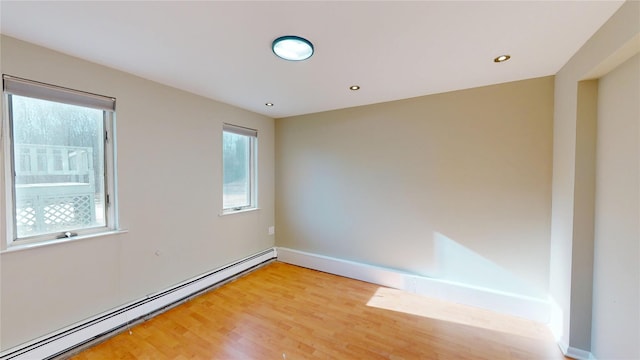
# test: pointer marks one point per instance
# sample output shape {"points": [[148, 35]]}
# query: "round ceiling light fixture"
{"points": [[269, 104], [502, 58], [354, 87], [292, 48]]}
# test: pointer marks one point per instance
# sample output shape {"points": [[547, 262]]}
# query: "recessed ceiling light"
{"points": [[354, 87], [502, 58], [269, 104], [293, 48]]}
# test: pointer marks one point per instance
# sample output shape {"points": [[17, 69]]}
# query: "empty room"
{"points": [[320, 179]]}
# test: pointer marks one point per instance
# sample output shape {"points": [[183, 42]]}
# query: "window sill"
{"points": [[231, 212], [21, 247]]}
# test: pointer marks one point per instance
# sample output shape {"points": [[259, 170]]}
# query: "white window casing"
{"points": [[242, 195], [68, 158]]}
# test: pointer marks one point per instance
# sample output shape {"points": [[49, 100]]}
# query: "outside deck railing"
{"points": [[55, 188]]}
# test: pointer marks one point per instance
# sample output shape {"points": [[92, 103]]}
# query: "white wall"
{"points": [[616, 287], [572, 223], [169, 179], [454, 186]]}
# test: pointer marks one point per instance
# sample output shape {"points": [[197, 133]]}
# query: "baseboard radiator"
{"points": [[55, 344]]}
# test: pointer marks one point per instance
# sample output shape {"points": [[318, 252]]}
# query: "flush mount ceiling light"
{"points": [[269, 104], [502, 58], [354, 87], [293, 48]]}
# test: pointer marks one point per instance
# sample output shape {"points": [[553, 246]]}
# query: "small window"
{"points": [[61, 153], [239, 163]]}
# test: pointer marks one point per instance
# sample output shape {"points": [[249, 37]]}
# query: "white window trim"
{"points": [[253, 168], [19, 86], [245, 210], [33, 245]]}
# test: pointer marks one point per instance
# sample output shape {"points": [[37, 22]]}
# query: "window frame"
{"points": [[38, 90], [252, 134]]}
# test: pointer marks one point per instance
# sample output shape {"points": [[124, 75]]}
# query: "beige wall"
{"points": [[169, 179], [616, 287], [455, 186], [572, 223]]}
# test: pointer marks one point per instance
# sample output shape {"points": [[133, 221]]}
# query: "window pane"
{"points": [[236, 170], [59, 166]]}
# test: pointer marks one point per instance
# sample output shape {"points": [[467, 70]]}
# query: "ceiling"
{"points": [[392, 49]]}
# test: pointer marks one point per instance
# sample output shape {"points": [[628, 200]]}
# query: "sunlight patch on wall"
{"points": [[457, 263]]}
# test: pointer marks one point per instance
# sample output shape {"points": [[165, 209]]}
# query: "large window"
{"points": [[60, 161], [239, 164]]}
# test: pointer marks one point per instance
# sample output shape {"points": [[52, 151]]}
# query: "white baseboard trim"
{"points": [[63, 340], [502, 302], [578, 354], [556, 328], [556, 323]]}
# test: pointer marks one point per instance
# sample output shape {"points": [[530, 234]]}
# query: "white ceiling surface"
{"points": [[394, 50]]}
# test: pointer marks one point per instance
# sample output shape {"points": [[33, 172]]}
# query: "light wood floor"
{"points": [[285, 312]]}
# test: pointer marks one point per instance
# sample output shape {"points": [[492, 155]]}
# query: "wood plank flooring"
{"points": [[287, 312]]}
